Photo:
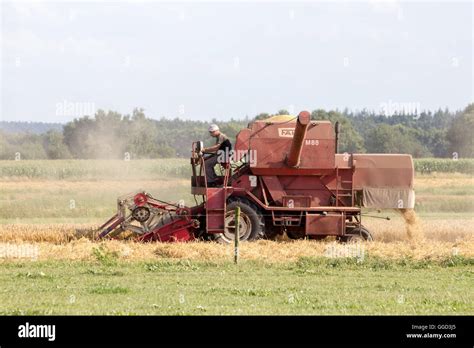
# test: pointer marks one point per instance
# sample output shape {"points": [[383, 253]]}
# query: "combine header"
{"points": [[286, 176]]}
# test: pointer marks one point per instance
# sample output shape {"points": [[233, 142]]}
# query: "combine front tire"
{"points": [[251, 225]]}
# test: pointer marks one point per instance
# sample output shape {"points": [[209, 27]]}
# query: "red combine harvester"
{"points": [[286, 176]]}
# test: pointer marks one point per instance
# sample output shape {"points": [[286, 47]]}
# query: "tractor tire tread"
{"points": [[258, 234]]}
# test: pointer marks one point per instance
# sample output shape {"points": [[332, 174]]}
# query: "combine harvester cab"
{"points": [[287, 177]]}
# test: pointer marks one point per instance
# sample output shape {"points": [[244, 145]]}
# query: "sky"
{"points": [[222, 60]]}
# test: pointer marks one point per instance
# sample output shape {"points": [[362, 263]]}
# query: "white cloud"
{"points": [[26, 42], [27, 10], [385, 6]]}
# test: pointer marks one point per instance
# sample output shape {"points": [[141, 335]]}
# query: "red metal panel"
{"points": [[307, 186], [275, 188], [270, 143], [296, 201], [243, 182], [330, 224], [179, 230], [215, 209], [242, 143]]}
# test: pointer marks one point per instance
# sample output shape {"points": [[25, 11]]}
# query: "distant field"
{"points": [[167, 167], [72, 201], [52, 207], [94, 169]]}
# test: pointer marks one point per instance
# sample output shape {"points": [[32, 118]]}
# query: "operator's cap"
{"points": [[213, 128]]}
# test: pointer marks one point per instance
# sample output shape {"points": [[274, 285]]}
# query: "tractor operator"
{"points": [[222, 144]]}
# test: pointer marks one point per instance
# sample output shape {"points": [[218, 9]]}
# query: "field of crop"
{"points": [[50, 264], [307, 286]]}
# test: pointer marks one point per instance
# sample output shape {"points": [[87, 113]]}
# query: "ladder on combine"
{"points": [[344, 190], [215, 209], [216, 202]]}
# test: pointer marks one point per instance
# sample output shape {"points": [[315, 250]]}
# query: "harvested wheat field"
{"points": [[77, 242], [263, 250]]}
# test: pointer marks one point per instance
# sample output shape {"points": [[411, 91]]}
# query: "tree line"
{"points": [[111, 135]]}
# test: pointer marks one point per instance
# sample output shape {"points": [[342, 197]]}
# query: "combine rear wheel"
{"points": [[357, 235], [251, 226]]}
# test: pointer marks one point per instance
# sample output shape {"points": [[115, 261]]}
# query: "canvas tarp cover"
{"points": [[385, 198]]}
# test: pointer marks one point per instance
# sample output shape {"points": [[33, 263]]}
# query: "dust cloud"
{"points": [[414, 230]]}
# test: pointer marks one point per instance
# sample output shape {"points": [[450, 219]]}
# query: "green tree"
{"points": [[349, 139], [460, 134], [98, 137], [261, 116], [27, 145], [5, 151], [395, 139], [54, 145], [140, 135], [109, 134], [75, 134]]}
